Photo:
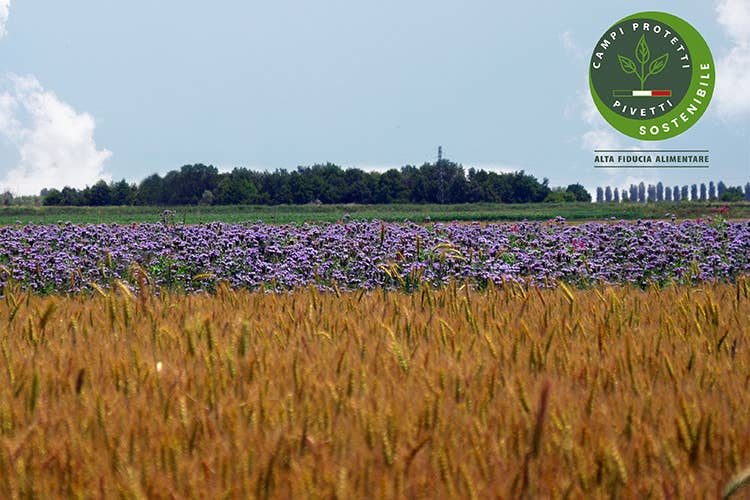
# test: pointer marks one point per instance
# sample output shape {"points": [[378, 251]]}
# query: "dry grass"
{"points": [[451, 393]]}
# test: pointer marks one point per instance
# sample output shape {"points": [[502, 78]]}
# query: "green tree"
{"points": [[53, 197], [236, 188], [359, 187], [733, 193], [579, 192], [524, 188], [391, 188], [151, 191], [186, 186], [207, 198], [300, 188], [71, 197], [98, 195], [327, 182], [560, 195], [720, 189], [122, 193]]}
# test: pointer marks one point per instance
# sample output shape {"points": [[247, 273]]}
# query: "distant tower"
{"points": [[441, 179]]}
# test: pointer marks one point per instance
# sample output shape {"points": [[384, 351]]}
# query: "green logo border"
{"points": [[700, 54]]}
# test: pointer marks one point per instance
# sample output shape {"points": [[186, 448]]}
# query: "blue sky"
{"points": [[103, 89]]}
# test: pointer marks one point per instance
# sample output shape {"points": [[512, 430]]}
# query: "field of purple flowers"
{"points": [[351, 255]]}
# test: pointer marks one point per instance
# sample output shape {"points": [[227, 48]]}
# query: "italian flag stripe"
{"points": [[641, 93]]}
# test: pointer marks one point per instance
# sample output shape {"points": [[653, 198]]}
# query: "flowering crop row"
{"points": [[360, 254]]}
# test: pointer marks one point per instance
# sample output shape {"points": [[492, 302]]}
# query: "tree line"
{"points": [[641, 193], [441, 182]]}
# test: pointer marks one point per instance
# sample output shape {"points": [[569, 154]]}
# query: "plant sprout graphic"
{"points": [[643, 55]]}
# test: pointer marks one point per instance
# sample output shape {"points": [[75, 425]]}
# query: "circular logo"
{"points": [[652, 76]]}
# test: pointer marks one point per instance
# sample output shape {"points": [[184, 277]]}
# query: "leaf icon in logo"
{"points": [[658, 64], [627, 64], [642, 52]]}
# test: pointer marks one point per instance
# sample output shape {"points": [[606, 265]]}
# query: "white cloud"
{"points": [[497, 168], [571, 47], [622, 179], [733, 68], [598, 138], [370, 167], [599, 135], [4, 13], [734, 16], [489, 167], [55, 143]]}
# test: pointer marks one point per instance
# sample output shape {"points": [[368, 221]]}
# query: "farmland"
{"points": [[509, 391], [354, 255], [364, 358], [298, 214]]}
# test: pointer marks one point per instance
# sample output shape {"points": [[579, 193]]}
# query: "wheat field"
{"points": [[506, 392]]}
